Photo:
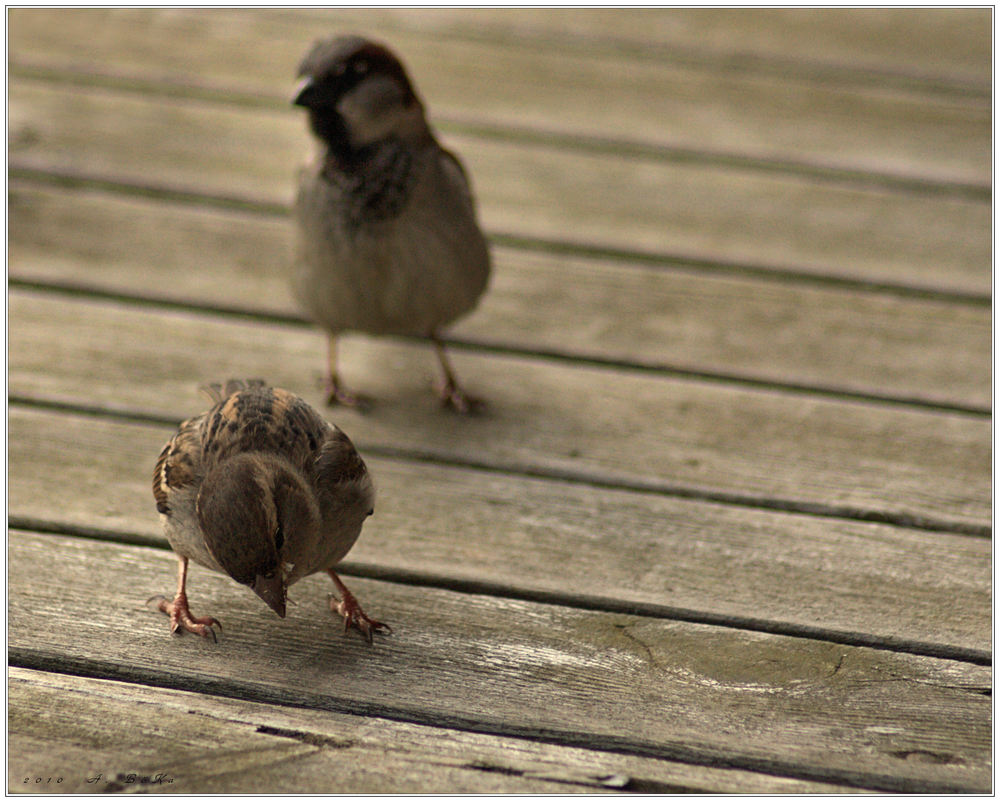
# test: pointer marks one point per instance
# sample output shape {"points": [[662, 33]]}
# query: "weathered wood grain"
{"points": [[701, 100], [827, 338], [714, 696], [503, 533], [933, 46], [598, 424], [781, 222], [607, 582], [77, 728], [937, 45]]}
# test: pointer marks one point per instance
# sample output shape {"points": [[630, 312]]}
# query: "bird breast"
{"points": [[183, 529], [396, 250]]}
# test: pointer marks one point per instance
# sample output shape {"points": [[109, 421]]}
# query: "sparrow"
{"points": [[387, 235], [263, 489]]}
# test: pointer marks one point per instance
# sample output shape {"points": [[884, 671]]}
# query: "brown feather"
{"points": [[338, 461], [179, 463], [160, 493]]}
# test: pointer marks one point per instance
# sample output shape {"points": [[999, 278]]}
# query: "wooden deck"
{"points": [[727, 525]]}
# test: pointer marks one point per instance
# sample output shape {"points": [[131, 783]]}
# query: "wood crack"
{"points": [[625, 629], [311, 738], [682, 753]]}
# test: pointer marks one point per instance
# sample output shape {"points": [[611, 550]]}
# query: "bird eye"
{"points": [[371, 512], [361, 67]]}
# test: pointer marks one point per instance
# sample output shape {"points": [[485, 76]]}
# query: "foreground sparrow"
{"points": [[388, 241], [263, 489]]}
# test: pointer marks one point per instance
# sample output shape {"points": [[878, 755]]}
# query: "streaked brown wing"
{"points": [[338, 460], [179, 464], [268, 419]]}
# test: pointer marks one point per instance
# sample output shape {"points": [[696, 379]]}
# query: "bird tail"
{"points": [[219, 392]]}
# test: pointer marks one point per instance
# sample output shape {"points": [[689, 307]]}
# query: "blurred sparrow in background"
{"points": [[388, 241]]}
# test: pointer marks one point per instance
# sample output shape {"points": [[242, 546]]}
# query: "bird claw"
{"points": [[181, 619], [352, 613], [341, 397], [203, 629], [457, 400]]}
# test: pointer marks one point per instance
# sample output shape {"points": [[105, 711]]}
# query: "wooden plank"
{"points": [[77, 728], [596, 424], [937, 44], [822, 337], [863, 582], [705, 102], [572, 674], [589, 199], [711, 696]]}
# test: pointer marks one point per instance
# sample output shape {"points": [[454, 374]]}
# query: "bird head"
{"points": [[357, 93], [255, 510]]}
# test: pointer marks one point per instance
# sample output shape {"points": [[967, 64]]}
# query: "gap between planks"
{"points": [[599, 68], [831, 576], [578, 601], [862, 58], [786, 334], [354, 754], [635, 747], [74, 289], [435, 652], [23, 661], [583, 477], [907, 464], [755, 218], [739, 57], [675, 691], [70, 178], [540, 137]]}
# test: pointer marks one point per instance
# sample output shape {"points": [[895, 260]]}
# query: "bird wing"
{"points": [[457, 175], [179, 464], [220, 392], [338, 461], [256, 417]]}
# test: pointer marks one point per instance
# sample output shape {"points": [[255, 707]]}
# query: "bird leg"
{"points": [[348, 607], [452, 395], [336, 393], [179, 612]]}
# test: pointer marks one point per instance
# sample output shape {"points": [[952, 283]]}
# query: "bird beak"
{"points": [[272, 590], [303, 93]]}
